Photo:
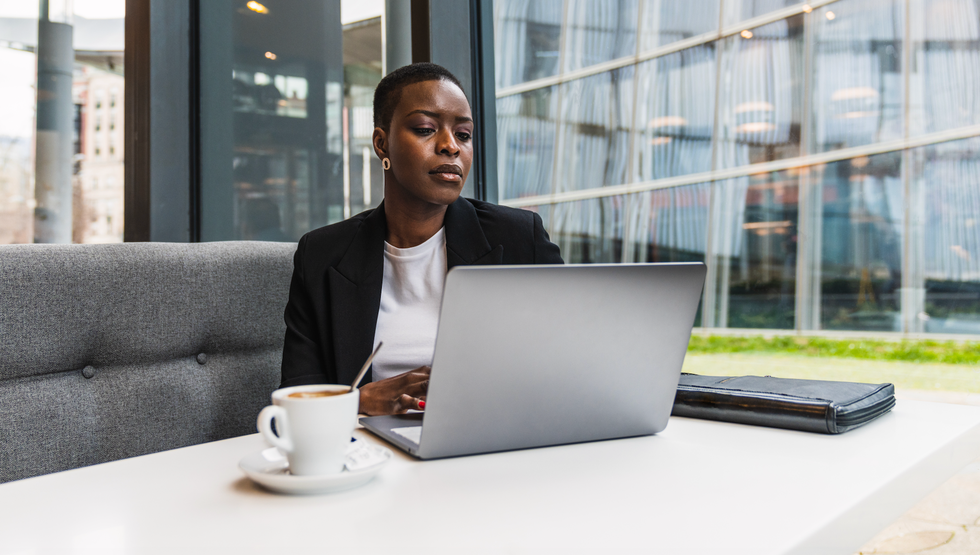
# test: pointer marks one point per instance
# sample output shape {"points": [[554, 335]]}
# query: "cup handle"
{"points": [[264, 423]]}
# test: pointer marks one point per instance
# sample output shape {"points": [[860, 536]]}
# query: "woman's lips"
{"points": [[448, 172]]}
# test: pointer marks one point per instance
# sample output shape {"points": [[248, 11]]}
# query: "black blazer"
{"points": [[335, 292]]}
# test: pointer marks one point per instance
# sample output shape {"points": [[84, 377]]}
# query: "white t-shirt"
{"points": [[411, 296]]}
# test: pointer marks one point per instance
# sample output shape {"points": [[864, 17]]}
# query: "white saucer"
{"points": [[270, 469]]}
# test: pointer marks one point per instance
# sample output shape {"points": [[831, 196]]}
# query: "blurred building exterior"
{"points": [[823, 159], [97, 96], [100, 169]]}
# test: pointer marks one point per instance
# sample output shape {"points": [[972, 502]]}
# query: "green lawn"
{"points": [[962, 378], [946, 352]]}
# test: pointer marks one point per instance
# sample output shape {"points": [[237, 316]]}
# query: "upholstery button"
{"points": [[202, 358], [88, 372]]}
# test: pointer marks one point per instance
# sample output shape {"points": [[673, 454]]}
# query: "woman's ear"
{"points": [[380, 141]]}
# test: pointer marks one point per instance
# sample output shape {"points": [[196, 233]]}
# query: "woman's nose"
{"points": [[447, 143]]}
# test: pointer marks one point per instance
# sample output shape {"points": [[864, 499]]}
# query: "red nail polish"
{"points": [[421, 404]]}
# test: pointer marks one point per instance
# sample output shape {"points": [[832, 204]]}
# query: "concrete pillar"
{"points": [[396, 33], [55, 119]]}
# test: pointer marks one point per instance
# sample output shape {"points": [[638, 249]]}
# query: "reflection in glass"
{"points": [[858, 90], [669, 225], [675, 114], [526, 143], [761, 102], [667, 21], [527, 40], [861, 259], [277, 95], [587, 231], [755, 243], [945, 73], [595, 133], [947, 175], [286, 136], [598, 31], [740, 10]]}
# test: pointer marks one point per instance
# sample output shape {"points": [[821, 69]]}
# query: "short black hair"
{"points": [[389, 91]]}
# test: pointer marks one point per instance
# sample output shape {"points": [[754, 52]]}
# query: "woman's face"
{"points": [[429, 144]]}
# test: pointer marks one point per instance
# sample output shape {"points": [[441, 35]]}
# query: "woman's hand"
{"points": [[396, 395]]}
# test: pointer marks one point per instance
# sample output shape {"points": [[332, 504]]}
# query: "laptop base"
{"points": [[381, 426]]}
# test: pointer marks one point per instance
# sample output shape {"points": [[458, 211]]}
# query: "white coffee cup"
{"points": [[314, 431]]}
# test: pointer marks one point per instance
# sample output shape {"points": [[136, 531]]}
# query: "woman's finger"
{"points": [[418, 389], [420, 371], [406, 403], [409, 379]]}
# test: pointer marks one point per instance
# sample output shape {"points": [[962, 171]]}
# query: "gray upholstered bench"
{"points": [[113, 351]]}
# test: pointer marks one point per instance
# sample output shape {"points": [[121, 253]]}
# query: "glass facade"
{"points": [[946, 185], [824, 161]]}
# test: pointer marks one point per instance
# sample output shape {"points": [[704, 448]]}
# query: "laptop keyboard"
{"points": [[411, 433]]}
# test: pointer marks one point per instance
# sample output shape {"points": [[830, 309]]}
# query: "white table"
{"points": [[697, 488]]}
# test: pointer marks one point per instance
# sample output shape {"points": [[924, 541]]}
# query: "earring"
{"points": [[386, 163]]}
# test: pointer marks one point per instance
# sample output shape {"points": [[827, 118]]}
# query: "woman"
{"points": [[379, 276]]}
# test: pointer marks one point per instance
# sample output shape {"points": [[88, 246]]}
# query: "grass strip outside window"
{"points": [[946, 352]]}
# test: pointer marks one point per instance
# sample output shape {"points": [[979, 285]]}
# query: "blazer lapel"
{"points": [[466, 244], [355, 289]]}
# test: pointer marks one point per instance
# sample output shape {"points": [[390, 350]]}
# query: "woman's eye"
{"points": [[424, 130], [463, 136]]}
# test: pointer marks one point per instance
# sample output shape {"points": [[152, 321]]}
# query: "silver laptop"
{"points": [[531, 356]]}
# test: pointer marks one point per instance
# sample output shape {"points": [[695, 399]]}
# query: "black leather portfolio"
{"points": [[808, 405]]}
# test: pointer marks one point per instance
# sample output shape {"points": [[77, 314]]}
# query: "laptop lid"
{"points": [[530, 356]]}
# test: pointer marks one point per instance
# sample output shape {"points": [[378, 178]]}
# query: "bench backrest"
{"points": [[113, 351]]}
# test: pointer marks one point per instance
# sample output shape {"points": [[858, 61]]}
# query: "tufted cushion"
{"points": [[112, 351]]}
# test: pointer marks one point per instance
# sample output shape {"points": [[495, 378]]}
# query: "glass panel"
{"points": [[667, 21], [858, 89], [762, 98], [292, 150], [756, 240], [595, 133], [526, 143], [587, 231], [861, 259], [527, 40], [669, 225], [945, 72], [675, 114], [73, 153], [740, 10], [948, 178], [599, 31]]}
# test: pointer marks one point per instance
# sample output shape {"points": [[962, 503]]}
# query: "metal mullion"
{"points": [[136, 123], [806, 216], [628, 208], [709, 297], [555, 166], [911, 298]]}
